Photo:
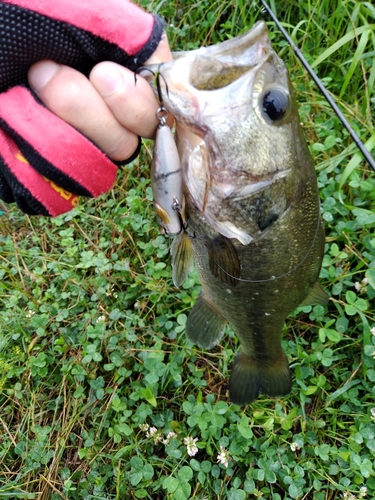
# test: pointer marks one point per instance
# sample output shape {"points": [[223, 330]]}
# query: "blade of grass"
{"points": [[340, 43], [356, 60], [355, 161]]}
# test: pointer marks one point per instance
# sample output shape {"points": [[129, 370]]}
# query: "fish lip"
{"points": [[228, 48], [245, 52]]}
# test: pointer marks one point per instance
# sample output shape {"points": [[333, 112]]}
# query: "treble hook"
{"points": [[177, 207], [157, 76]]}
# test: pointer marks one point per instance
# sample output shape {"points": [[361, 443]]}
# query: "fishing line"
{"points": [[367, 155]]}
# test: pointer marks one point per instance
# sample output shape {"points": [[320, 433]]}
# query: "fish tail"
{"points": [[250, 377]]}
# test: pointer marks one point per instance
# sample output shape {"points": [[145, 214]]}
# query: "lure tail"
{"points": [[251, 377]]}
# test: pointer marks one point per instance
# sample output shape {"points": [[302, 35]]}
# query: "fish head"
{"points": [[237, 127]]}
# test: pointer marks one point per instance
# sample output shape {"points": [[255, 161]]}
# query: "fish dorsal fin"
{"points": [[182, 258], [223, 259], [205, 326], [316, 296]]}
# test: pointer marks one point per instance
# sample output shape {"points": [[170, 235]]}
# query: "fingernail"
{"points": [[107, 79], [41, 73]]}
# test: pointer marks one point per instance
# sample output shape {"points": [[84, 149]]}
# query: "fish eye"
{"points": [[275, 104]]}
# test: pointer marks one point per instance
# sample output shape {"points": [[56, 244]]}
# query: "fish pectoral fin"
{"points": [[205, 326], [250, 377], [316, 296], [223, 260], [182, 258]]}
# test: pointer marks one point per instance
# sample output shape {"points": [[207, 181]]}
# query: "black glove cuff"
{"points": [[132, 157]]}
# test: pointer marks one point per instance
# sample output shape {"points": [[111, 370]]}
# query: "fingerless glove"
{"points": [[44, 162]]}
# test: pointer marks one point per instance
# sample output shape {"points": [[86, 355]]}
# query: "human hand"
{"points": [[108, 108], [45, 162]]}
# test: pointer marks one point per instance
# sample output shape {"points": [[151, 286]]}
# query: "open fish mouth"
{"points": [[210, 68], [222, 64]]}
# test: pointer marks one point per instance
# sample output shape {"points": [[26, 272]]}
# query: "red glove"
{"points": [[44, 162]]}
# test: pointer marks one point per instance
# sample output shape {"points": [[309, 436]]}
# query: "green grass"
{"points": [[92, 345]]}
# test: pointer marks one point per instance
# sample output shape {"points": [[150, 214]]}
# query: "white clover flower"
{"points": [[144, 427], [190, 445], [101, 319], [373, 330], [362, 491], [362, 286], [223, 457], [158, 437], [294, 446], [170, 435], [30, 313], [348, 496], [151, 431], [258, 494], [372, 413], [110, 291]]}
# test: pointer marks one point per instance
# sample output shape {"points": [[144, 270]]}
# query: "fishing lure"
{"points": [[166, 172]]}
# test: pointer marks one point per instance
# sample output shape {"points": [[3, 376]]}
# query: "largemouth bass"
{"points": [[252, 204]]}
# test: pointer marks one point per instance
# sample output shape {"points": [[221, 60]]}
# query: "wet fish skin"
{"points": [[251, 192]]}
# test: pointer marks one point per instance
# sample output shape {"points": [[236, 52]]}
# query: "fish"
{"points": [[252, 212]]}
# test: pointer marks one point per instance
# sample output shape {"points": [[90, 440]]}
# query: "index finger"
{"points": [[131, 102]]}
